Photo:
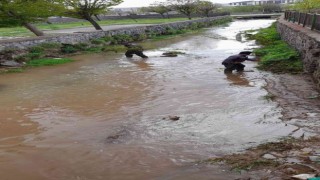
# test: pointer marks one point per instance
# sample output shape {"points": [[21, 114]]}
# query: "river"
{"points": [[106, 117]]}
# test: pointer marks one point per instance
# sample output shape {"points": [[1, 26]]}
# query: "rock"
{"points": [[314, 158], [169, 54], [174, 118], [292, 160], [10, 64], [306, 150], [269, 156], [290, 171], [303, 176], [277, 154]]}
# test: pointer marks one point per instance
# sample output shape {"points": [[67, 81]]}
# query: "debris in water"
{"points": [[171, 54], [174, 118]]}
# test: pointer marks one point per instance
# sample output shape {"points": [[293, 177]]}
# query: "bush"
{"points": [[139, 37], [81, 46], [97, 41], [68, 49], [33, 55], [36, 49], [121, 38]]}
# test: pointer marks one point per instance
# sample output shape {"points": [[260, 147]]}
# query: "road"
{"points": [[90, 29]]}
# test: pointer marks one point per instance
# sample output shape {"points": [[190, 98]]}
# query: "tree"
{"points": [[25, 12], [271, 7], [85, 9], [206, 7], [160, 8], [132, 15], [307, 5], [186, 7]]}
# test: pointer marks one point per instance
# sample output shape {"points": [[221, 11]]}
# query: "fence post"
{"points": [[305, 19], [294, 17], [313, 21], [299, 20], [289, 16]]}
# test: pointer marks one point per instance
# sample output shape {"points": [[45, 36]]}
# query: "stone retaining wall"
{"points": [[87, 36], [115, 17], [305, 41]]}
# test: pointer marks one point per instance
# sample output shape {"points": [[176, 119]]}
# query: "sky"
{"points": [[141, 3]]}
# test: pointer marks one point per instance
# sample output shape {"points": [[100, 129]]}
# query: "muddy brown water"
{"points": [[106, 117]]}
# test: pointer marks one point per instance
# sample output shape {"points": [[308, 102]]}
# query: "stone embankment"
{"points": [[304, 40], [87, 36]]}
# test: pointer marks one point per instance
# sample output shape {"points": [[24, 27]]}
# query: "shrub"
{"points": [[68, 49], [121, 38], [33, 55], [81, 46], [97, 41], [36, 49]]}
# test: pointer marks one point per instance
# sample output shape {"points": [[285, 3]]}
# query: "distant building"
{"points": [[261, 2]]}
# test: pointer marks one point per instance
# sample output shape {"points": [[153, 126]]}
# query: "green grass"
{"points": [[48, 62], [269, 97], [21, 31], [114, 48], [276, 55], [15, 70], [267, 36]]}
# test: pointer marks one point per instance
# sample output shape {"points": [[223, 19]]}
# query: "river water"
{"points": [[106, 117]]}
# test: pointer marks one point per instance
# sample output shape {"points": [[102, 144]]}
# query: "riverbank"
{"points": [[54, 51], [292, 155], [298, 96]]}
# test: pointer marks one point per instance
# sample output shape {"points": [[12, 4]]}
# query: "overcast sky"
{"points": [[140, 3]]}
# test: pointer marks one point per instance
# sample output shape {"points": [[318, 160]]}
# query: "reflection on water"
{"points": [[238, 79], [105, 116], [141, 63]]}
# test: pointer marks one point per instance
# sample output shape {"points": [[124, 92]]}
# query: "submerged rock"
{"points": [[269, 156], [174, 118], [10, 64], [169, 54]]}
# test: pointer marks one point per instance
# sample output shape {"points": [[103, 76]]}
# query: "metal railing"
{"points": [[305, 19]]}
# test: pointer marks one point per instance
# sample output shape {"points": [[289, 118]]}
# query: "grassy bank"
{"points": [[21, 31], [276, 55], [49, 53]]}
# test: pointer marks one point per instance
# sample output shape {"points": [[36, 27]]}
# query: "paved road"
{"points": [[90, 29], [79, 29]]}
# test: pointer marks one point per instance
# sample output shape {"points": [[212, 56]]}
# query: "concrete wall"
{"points": [[304, 40], [87, 36]]}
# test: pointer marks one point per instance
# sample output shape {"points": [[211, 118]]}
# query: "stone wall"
{"points": [[115, 17], [305, 41], [74, 38]]}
